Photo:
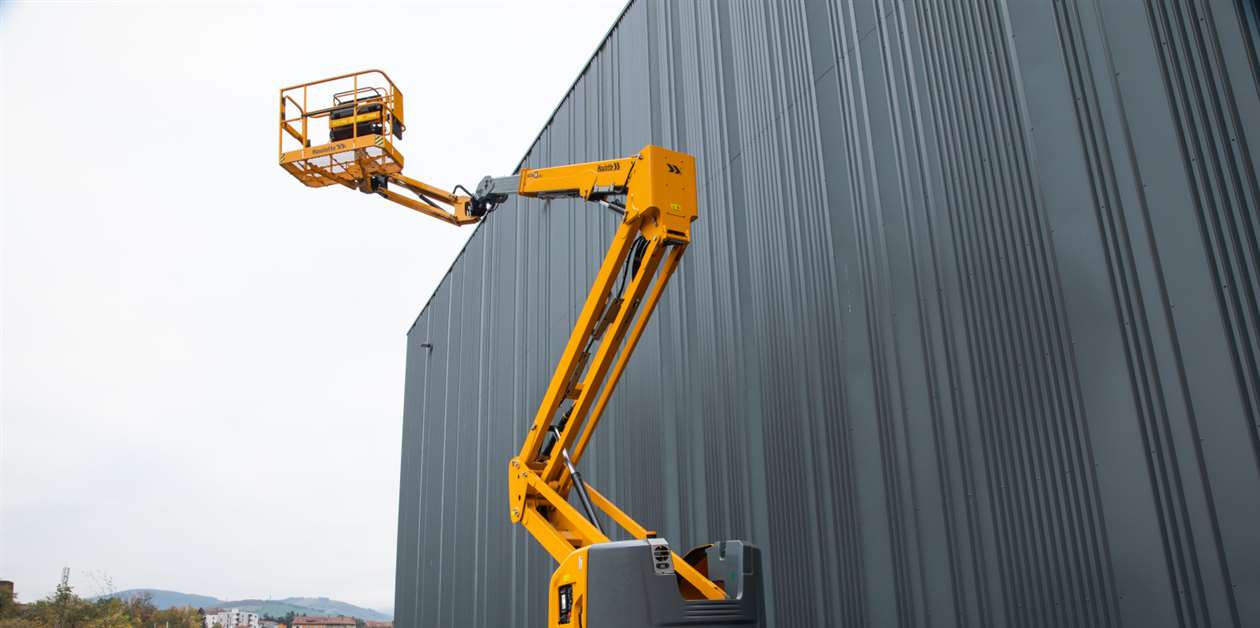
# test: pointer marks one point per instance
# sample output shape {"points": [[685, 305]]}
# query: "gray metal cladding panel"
{"points": [[969, 334]]}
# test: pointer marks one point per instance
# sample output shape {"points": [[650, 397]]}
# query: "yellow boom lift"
{"points": [[599, 583]]}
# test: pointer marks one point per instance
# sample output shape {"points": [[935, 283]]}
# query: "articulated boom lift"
{"points": [[599, 583]]}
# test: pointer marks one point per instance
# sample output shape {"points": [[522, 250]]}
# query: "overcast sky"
{"points": [[203, 359]]}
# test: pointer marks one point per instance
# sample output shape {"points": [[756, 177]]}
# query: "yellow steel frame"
{"points": [[659, 186], [456, 205], [308, 161], [659, 192], [355, 161]]}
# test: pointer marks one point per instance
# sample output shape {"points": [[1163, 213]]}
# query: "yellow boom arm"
{"points": [[654, 191], [659, 188]]}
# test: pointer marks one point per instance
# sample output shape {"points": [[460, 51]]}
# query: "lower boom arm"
{"points": [[658, 186]]}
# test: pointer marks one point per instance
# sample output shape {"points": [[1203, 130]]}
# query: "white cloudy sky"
{"points": [[202, 359]]}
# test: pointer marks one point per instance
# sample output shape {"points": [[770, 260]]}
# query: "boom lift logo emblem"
{"points": [[328, 149], [608, 167]]}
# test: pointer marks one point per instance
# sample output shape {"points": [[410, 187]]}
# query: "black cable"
{"points": [[635, 249], [639, 244]]}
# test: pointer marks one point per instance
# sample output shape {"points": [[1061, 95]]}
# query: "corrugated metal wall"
{"points": [[969, 334]]}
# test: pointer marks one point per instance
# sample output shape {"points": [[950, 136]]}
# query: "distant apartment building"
{"points": [[231, 618], [379, 624], [309, 621]]}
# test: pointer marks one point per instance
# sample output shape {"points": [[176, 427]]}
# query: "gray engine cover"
{"points": [[624, 590]]}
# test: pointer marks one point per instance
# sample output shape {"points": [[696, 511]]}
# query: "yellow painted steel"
{"points": [[623, 358], [658, 186], [368, 163], [455, 210]]}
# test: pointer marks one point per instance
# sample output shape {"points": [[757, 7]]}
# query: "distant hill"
{"points": [[168, 599], [304, 606], [336, 607], [298, 605]]}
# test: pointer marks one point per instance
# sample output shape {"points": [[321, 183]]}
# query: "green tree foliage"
{"points": [[65, 609], [11, 613], [8, 605], [17, 622]]}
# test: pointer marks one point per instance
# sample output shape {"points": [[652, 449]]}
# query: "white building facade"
{"points": [[232, 618]]}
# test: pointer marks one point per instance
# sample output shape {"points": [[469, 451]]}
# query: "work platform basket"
{"points": [[341, 129]]}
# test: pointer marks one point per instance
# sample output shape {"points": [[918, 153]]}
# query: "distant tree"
{"points": [[140, 608], [11, 613], [186, 617], [8, 605], [18, 622], [103, 583], [110, 612], [66, 605], [62, 609], [65, 609]]}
